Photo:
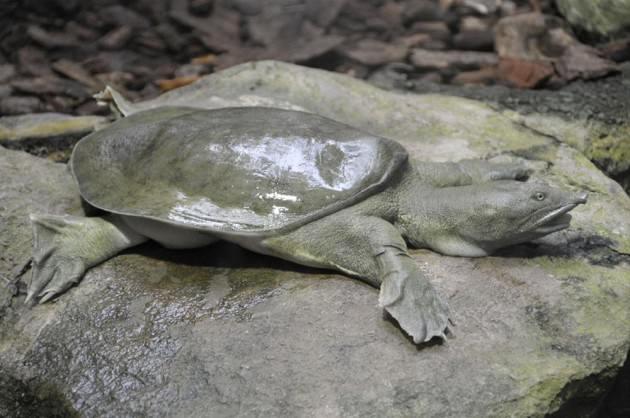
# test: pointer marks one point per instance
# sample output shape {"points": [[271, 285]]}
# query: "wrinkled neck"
{"points": [[437, 218]]}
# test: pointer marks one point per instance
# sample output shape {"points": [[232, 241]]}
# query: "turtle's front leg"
{"points": [[65, 246], [373, 250]]}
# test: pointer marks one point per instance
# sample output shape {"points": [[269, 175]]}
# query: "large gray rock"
{"points": [[223, 332], [601, 17]]}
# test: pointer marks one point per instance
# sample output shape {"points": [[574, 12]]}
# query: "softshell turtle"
{"points": [[292, 185]]}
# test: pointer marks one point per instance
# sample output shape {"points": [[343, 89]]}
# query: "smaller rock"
{"points": [[522, 36], [421, 10], [17, 105], [582, 61], [475, 40]]}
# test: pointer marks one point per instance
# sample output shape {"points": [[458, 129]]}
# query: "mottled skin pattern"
{"points": [[469, 208]]}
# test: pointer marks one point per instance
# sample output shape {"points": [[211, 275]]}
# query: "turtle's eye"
{"points": [[540, 196]]}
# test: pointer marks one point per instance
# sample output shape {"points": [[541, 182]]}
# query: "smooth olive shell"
{"points": [[246, 170]]}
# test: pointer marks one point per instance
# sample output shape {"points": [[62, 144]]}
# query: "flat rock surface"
{"points": [[224, 332]]}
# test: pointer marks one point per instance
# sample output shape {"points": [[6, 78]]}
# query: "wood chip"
{"points": [[415, 40], [7, 71], [17, 105], [50, 85], [116, 38], [33, 61], [220, 32], [51, 39], [174, 83], [437, 30], [443, 60], [208, 59], [76, 72], [484, 75], [374, 52]]}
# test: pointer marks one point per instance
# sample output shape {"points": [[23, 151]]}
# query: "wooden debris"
{"points": [[373, 52], [116, 38], [486, 75], [166, 85], [439, 60], [438, 30], [207, 59], [7, 72], [51, 39], [17, 105], [78, 73], [50, 85], [33, 61]]}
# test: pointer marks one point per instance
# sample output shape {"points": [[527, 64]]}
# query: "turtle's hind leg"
{"points": [[372, 249], [65, 246]]}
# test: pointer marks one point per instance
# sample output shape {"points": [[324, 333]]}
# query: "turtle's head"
{"points": [[475, 220]]}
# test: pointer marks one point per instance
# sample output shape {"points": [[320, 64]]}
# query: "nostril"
{"points": [[583, 198]]}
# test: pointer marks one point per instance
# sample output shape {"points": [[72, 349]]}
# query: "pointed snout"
{"points": [[581, 199]]}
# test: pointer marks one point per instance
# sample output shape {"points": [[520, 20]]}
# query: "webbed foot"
{"points": [[65, 246], [56, 265], [415, 304]]}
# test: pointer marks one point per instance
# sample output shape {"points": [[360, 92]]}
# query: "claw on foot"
{"points": [[419, 310], [56, 265]]}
